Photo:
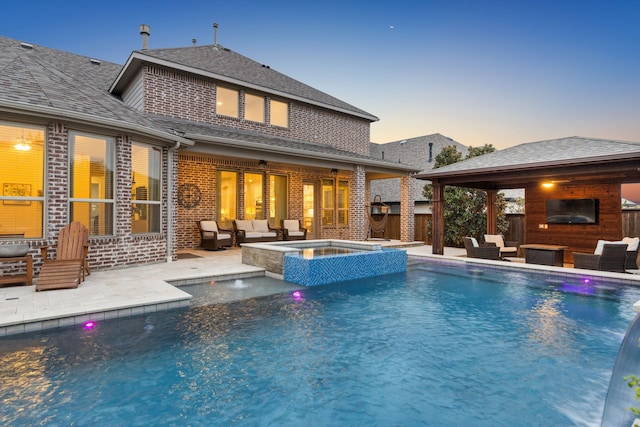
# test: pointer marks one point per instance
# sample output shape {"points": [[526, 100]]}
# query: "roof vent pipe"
{"points": [[215, 34], [194, 41], [145, 32]]}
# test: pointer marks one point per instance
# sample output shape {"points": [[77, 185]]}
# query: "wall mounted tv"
{"points": [[572, 211]]}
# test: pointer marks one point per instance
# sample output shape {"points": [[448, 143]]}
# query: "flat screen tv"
{"points": [[572, 211]]}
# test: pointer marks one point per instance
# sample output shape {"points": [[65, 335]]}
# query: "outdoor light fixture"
{"points": [[263, 163], [334, 171]]}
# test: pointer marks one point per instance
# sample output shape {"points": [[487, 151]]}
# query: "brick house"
{"points": [[140, 152]]}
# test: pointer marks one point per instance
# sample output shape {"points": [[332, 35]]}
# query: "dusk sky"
{"points": [[480, 72]]}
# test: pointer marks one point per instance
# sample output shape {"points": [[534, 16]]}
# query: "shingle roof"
{"points": [[563, 151], [225, 64], [40, 76]]}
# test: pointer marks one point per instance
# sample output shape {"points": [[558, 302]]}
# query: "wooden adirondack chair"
{"points": [[68, 269]]}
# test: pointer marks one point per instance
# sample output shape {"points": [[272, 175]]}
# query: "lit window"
{"points": [[254, 108], [279, 113], [91, 177], [328, 202], [227, 101], [253, 202], [145, 188], [278, 198], [226, 198], [343, 202], [22, 179]]}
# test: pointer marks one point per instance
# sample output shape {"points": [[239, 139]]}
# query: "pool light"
{"points": [[297, 295], [90, 324]]}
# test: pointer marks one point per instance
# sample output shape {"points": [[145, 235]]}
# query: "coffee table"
{"points": [[544, 254]]}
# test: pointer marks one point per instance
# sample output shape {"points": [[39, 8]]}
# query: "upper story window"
{"points": [[279, 113], [146, 170], [254, 108], [227, 101], [22, 179], [91, 178]]}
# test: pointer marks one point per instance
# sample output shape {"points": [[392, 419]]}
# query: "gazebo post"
{"points": [[437, 219], [492, 212]]}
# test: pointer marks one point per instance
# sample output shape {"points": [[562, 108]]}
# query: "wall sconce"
{"points": [[334, 172], [262, 164]]}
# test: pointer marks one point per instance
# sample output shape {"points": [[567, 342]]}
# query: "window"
{"points": [[335, 195], [145, 188], [226, 198], [22, 180], [343, 202], [278, 198], [328, 202], [254, 108], [91, 178], [279, 113], [253, 202], [227, 101]]}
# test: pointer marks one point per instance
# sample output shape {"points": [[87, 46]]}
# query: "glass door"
{"points": [[309, 208]]}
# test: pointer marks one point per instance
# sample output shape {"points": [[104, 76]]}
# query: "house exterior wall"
{"points": [[122, 249], [184, 96]]}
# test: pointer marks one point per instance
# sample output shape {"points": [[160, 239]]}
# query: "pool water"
{"points": [[432, 346]]}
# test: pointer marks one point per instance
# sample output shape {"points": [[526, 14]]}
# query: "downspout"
{"points": [[170, 198]]}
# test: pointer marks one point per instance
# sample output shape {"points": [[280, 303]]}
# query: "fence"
{"points": [[630, 226]]}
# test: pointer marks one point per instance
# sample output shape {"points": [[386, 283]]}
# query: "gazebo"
{"points": [[559, 169]]}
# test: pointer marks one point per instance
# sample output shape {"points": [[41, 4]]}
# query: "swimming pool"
{"points": [[432, 346]]}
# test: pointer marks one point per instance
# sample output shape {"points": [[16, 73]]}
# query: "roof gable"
{"points": [[217, 62]]}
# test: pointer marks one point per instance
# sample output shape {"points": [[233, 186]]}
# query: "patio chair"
{"points": [[507, 248], [631, 260], [212, 237], [292, 230], [474, 250], [68, 268], [608, 256]]}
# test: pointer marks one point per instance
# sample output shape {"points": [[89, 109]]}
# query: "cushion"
{"points": [[599, 247], [244, 224], [261, 225], [295, 233], [253, 234], [209, 226], [494, 238], [222, 236], [269, 234], [293, 225], [474, 242], [13, 251], [632, 243]]}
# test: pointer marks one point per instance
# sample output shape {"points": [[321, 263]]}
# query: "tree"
{"points": [[465, 208]]}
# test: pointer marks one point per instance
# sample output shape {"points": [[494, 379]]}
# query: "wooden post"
{"points": [[437, 219], [492, 212]]}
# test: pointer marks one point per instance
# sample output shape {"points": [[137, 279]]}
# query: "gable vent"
{"points": [[26, 45]]}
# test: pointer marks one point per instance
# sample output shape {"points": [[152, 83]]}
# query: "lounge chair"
{"points": [[68, 268], [508, 248], [212, 237], [608, 256], [631, 260], [474, 250], [292, 230]]}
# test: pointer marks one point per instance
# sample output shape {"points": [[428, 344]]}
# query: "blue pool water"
{"points": [[434, 346]]}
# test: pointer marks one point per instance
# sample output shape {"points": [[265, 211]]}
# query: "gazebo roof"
{"points": [[575, 159]]}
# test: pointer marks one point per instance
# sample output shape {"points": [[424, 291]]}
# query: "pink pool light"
{"points": [[297, 295], [89, 324]]}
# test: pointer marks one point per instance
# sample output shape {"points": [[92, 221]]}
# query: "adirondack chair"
{"points": [[68, 269]]}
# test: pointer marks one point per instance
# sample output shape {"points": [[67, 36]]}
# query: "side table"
{"points": [[26, 278]]}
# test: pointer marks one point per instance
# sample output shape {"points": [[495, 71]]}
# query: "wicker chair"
{"points": [[486, 251], [292, 230], [507, 248], [631, 261], [612, 258], [212, 237]]}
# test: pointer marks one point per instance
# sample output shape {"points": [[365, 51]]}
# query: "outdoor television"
{"points": [[572, 211]]}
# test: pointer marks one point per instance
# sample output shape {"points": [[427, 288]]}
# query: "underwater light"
{"points": [[89, 325], [297, 295], [586, 280]]}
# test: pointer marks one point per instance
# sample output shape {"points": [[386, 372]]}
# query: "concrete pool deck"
{"points": [[133, 291]]}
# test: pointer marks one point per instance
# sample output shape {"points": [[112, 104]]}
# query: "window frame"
{"points": [[257, 98], [287, 113], [110, 158], [148, 203], [220, 103]]}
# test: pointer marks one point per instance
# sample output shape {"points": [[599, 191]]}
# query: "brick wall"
{"points": [[191, 97]]}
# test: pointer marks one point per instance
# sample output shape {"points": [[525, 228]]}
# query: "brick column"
{"points": [[357, 202], [407, 216]]}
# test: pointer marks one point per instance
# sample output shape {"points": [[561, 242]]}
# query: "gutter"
{"points": [[89, 119]]}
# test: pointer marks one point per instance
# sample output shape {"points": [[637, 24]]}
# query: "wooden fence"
{"points": [[630, 226]]}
